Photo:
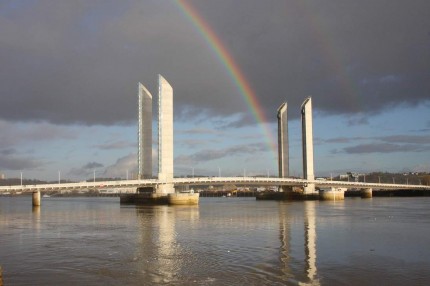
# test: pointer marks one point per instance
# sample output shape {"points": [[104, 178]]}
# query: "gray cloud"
{"points": [[200, 131], [338, 140], [121, 166], [191, 143], [79, 61], [358, 120], [410, 139], [85, 171], [214, 154], [13, 162], [8, 151], [413, 139], [382, 144], [92, 165], [385, 148], [14, 134], [115, 145]]}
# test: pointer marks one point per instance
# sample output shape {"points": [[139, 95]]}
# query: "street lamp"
{"points": [[21, 178], [59, 177]]}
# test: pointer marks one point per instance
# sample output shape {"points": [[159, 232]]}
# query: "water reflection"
{"points": [[36, 218], [223, 241], [160, 255], [285, 238], [290, 260], [310, 243]]}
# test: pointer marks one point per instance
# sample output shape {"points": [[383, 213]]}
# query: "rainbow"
{"points": [[233, 70]]}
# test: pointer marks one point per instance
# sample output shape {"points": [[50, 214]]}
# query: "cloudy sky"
{"points": [[69, 72]]}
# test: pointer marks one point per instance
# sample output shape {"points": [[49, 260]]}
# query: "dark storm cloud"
{"points": [[79, 61]]}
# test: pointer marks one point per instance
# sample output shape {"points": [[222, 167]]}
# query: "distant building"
{"points": [[2, 176]]}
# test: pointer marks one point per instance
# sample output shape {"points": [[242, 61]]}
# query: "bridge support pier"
{"points": [[332, 195], [36, 199], [165, 189], [143, 199], [161, 194], [309, 192], [366, 193]]}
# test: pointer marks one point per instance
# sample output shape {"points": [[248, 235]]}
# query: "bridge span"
{"points": [[247, 181]]}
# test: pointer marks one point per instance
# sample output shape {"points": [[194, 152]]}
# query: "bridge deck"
{"points": [[251, 181]]}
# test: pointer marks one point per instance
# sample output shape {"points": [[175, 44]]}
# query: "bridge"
{"points": [[244, 181], [165, 183]]}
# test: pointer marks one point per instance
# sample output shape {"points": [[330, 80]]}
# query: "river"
{"points": [[222, 241]]}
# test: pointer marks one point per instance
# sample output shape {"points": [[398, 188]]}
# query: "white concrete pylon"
{"points": [[165, 135], [144, 161], [308, 144], [283, 152]]}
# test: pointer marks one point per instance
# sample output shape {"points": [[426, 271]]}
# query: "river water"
{"points": [[222, 241]]}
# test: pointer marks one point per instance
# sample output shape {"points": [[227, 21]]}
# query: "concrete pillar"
{"points": [[36, 198], [144, 157], [165, 136], [366, 193], [308, 147], [283, 152], [165, 188], [309, 189], [332, 195]]}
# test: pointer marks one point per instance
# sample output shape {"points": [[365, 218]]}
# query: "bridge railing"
{"points": [[262, 181], [80, 185]]}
